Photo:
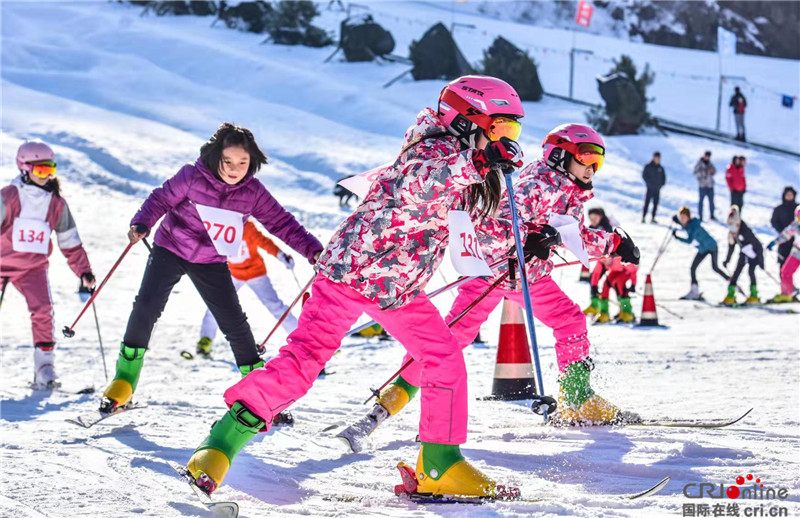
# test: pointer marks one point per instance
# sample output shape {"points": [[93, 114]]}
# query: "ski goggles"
{"points": [[590, 154], [504, 127], [43, 169]]}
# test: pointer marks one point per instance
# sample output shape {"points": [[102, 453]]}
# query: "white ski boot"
{"points": [[44, 372], [694, 294]]}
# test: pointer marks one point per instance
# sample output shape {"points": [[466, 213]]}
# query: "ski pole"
{"points": [[3, 293], [542, 404], [661, 249], [100, 340], [263, 346], [478, 299], [149, 248], [437, 291], [296, 281], [69, 330]]}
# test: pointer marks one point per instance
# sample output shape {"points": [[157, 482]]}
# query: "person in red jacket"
{"points": [[31, 208], [248, 267], [734, 175]]}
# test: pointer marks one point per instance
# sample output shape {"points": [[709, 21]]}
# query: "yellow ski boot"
{"points": [[753, 298], [626, 311], [593, 308], [579, 405], [442, 470], [120, 391], [210, 462]]}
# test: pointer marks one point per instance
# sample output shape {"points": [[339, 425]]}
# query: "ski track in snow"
{"points": [[123, 113]]}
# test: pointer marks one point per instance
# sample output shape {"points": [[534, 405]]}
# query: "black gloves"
{"points": [[539, 241], [676, 220], [504, 152], [84, 290], [626, 249]]}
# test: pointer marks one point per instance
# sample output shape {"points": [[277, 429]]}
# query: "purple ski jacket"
{"points": [[182, 232]]}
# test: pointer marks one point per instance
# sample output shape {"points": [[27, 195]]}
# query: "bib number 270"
{"points": [[217, 230]]}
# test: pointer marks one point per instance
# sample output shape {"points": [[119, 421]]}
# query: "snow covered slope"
{"points": [[126, 100]]}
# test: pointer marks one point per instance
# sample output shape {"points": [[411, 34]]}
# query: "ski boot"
{"points": [[593, 308], [247, 369], [753, 298], [210, 462], [390, 402], [602, 316], [120, 391], [626, 311], [442, 470], [694, 293], [579, 405], [44, 372], [204, 347], [372, 331], [730, 298], [781, 299]]}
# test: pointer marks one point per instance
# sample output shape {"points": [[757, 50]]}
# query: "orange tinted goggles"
{"points": [[590, 154], [44, 169], [504, 127]]}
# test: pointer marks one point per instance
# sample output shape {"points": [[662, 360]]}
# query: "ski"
{"points": [[690, 423], [62, 390], [408, 489], [92, 418], [221, 509]]}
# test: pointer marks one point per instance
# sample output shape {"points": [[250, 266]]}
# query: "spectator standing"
{"points": [[782, 217], [738, 103], [734, 175], [704, 171], [654, 179]]}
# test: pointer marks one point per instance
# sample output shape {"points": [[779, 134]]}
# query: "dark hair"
{"points": [[597, 210], [790, 189], [657, 154], [707, 153], [486, 195], [230, 135], [735, 158]]}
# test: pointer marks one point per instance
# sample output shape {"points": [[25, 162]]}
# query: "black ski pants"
{"points": [[213, 281], [652, 194], [751, 269], [699, 258]]}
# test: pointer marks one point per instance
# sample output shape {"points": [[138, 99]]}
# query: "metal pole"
{"points": [[100, 340], [525, 291]]}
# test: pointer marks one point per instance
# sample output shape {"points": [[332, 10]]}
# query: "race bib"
{"points": [[242, 256], [749, 251], [465, 251], [571, 237], [224, 227], [30, 235]]}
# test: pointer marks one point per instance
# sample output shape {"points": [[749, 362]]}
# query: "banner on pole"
{"points": [[726, 42], [584, 15]]}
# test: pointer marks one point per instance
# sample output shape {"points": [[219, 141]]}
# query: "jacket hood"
{"points": [[426, 125]]}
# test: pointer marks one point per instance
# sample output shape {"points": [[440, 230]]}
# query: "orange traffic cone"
{"points": [[513, 372], [649, 316], [586, 275]]}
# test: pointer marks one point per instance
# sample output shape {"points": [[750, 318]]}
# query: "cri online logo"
{"points": [[754, 490]]}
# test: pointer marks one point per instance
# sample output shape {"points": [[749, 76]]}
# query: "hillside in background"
{"points": [[763, 28]]}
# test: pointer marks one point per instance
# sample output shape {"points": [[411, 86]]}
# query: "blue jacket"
{"points": [[705, 243]]}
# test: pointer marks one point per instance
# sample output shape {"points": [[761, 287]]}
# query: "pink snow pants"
{"points": [[551, 306], [34, 286], [787, 272], [326, 318]]}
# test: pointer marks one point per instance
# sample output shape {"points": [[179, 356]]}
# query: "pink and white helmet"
{"points": [[576, 141], [33, 151], [468, 105]]}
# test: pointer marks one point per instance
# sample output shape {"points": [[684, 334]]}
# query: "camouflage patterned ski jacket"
{"points": [[538, 193], [389, 248]]}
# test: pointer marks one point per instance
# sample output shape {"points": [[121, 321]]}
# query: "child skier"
{"points": [[597, 220], [31, 208], [378, 262], [248, 267], [619, 276], [560, 183], [204, 206], [792, 261], [706, 245], [750, 252]]}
